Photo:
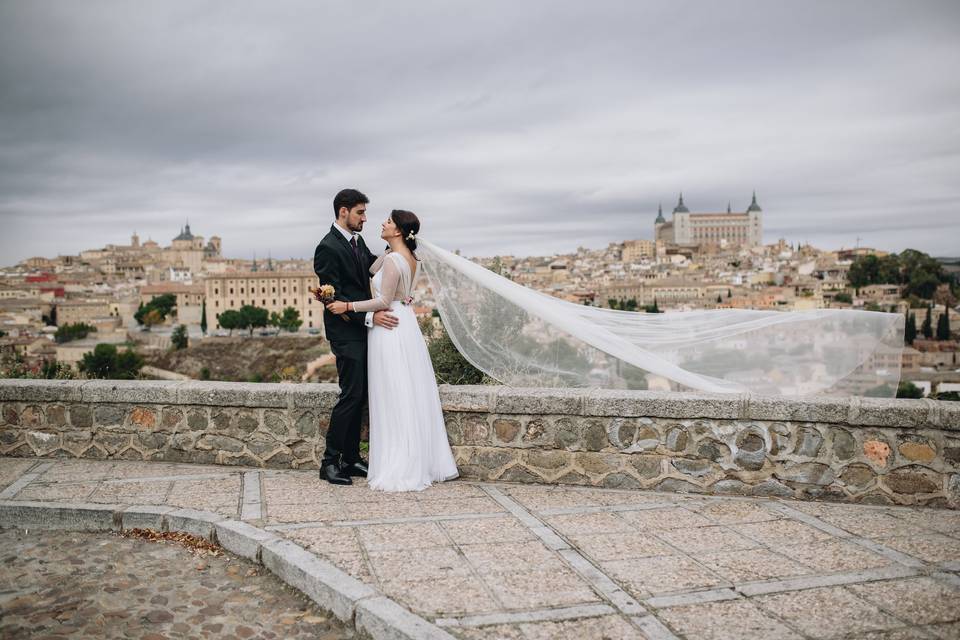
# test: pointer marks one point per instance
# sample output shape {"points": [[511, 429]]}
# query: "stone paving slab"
{"points": [[494, 560]]}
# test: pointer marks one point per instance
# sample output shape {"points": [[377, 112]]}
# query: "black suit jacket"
{"points": [[335, 264]]}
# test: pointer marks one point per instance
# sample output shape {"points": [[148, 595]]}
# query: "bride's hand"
{"points": [[337, 307]]}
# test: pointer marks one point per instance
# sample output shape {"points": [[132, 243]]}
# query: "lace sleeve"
{"points": [[378, 263], [388, 289]]}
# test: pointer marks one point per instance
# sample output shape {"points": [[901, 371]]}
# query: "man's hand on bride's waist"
{"points": [[385, 319]]}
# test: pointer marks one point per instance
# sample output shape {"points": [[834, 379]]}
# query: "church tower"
{"points": [[755, 222]]}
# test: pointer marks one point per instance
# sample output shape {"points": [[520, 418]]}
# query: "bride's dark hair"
{"points": [[409, 225]]}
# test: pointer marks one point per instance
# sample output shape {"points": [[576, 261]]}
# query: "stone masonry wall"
{"points": [[842, 449]]}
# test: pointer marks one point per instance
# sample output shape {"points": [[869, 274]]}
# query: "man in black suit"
{"points": [[343, 261]]}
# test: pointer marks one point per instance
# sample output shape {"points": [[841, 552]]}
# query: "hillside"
{"points": [[243, 358]]}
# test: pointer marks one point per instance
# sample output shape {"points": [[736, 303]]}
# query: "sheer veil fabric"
{"points": [[525, 338]]}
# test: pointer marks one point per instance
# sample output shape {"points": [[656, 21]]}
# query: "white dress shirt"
{"points": [[349, 235]]}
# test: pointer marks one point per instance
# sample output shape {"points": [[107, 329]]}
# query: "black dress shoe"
{"points": [[331, 473], [356, 469]]}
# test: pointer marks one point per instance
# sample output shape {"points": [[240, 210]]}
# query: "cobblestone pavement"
{"points": [[486, 560], [91, 585]]}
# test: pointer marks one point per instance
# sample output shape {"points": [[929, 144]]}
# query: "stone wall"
{"points": [[846, 449]]}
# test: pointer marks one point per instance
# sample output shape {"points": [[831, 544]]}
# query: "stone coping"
{"points": [[371, 613], [854, 411]]}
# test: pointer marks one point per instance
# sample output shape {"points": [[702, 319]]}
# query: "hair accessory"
{"points": [[411, 236]]}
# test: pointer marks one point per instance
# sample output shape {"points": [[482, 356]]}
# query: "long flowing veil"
{"points": [[522, 337]]}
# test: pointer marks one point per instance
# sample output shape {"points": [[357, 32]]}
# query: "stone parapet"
{"points": [[845, 449]]}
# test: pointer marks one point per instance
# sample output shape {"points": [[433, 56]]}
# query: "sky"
{"points": [[525, 128]]}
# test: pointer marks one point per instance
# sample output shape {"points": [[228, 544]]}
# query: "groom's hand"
{"points": [[385, 319]]}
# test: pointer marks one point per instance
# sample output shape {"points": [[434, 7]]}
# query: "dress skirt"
{"points": [[409, 449]]}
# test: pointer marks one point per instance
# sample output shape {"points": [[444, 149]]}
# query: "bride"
{"points": [[408, 438]]}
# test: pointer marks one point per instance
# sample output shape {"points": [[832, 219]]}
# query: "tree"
{"points": [[449, 365], [863, 271], [128, 365], [253, 317], [151, 318], [230, 320], [888, 270], [920, 274], [164, 306], [907, 389], [719, 299], [629, 305], [943, 324], [729, 295], [289, 320], [910, 331], [927, 327], [612, 303], [923, 284], [843, 296], [203, 317], [179, 337], [69, 332], [105, 362], [53, 370]]}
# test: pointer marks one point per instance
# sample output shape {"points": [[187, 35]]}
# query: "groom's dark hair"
{"points": [[348, 198]]}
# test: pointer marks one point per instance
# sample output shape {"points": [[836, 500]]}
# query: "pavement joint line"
{"points": [[601, 582], [801, 583], [209, 476], [890, 554], [540, 615], [692, 597], [623, 601], [613, 508], [474, 571], [404, 520], [252, 506], [511, 505], [24, 480], [808, 519], [370, 612], [877, 547], [652, 628], [947, 578], [549, 537]]}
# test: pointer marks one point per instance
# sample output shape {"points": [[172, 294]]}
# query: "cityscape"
{"points": [[689, 260]]}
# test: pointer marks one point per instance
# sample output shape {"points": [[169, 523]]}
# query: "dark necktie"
{"points": [[356, 249]]}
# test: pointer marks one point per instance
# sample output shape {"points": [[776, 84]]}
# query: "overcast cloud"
{"points": [[510, 127]]}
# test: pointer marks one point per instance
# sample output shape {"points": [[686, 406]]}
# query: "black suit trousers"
{"points": [[343, 434]]}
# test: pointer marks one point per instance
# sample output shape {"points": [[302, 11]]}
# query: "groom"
{"points": [[343, 261]]}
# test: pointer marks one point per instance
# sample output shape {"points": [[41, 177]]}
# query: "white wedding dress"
{"points": [[408, 439]]}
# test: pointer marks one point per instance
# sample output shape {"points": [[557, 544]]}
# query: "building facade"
{"points": [[725, 230], [636, 250], [270, 290]]}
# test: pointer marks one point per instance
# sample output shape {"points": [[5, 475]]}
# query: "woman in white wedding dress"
{"points": [[408, 439]]}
